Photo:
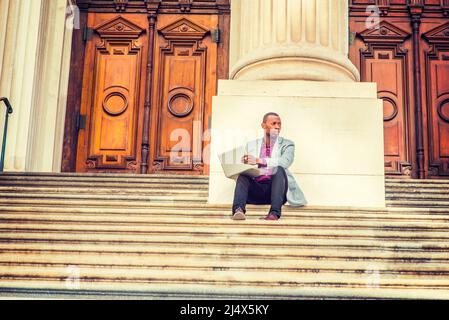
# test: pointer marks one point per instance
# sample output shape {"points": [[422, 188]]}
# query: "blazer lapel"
{"points": [[255, 147], [277, 149]]}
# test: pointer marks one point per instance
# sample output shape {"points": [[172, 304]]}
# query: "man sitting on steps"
{"points": [[276, 185]]}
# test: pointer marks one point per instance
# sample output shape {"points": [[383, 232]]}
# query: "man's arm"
{"points": [[286, 158]]}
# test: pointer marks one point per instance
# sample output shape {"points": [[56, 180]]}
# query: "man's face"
{"points": [[272, 126]]}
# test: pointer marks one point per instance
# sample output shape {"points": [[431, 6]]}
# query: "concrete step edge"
{"points": [[219, 221], [165, 186], [423, 181], [225, 277], [332, 268], [138, 261], [113, 175], [52, 289], [86, 237], [178, 198], [199, 206], [217, 230], [360, 250], [99, 191]]}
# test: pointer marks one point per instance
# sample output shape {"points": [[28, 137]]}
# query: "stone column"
{"points": [[17, 76], [47, 120], [290, 40], [35, 44], [4, 9]]}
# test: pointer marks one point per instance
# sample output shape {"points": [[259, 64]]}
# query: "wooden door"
{"points": [[383, 56], [435, 46], [110, 115], [404, 48], [184, 79]]}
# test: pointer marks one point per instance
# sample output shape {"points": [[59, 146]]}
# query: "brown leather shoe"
{"points": [[272, 217], [239, 215]]}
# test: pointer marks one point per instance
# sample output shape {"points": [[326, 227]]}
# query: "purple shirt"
{"points": [[265, 152]]}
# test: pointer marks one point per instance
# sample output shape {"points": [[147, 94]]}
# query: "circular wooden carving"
{"points": [[115, 103], [443, 110], [390, 109], [180, 102]]}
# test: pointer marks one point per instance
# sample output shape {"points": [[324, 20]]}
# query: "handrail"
{"points": [[9, 110]]}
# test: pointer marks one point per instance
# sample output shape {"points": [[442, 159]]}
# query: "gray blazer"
{"points": [[283, 155]]}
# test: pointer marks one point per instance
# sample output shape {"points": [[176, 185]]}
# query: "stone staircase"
{"points": [[417, 193], [156, 237]]}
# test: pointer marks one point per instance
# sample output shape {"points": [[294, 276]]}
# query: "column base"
{"points": [[337, 128], [310, 63]]}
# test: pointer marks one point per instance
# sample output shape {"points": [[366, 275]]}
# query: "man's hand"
{"points": [[249, 159]]}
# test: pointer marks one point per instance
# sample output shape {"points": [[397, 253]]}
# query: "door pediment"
{"points": [[119, 27], [184, 29]]}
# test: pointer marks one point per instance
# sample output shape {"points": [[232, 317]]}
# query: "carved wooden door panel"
{"points": [[437, 96], [184, 79], [109, 127], [403, 46], [384, 58]]}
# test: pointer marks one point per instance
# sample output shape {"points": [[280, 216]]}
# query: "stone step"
{"points": [[253, 221], [100, 191], [417, 185], [146, 232], [417, 181], [393, 191], [375, 252], [221, 277], [416, 196], [49, 175], [215, 263], [99, 180], [225, 277], [184, 241], [102, 197], [158, 213], [218, 224], [182, 189], [316, 290], [158, 194], [197, 208], [122, 185], [419, 203]]}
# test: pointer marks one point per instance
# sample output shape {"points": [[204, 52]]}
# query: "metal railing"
{"points": [[5, 130]]}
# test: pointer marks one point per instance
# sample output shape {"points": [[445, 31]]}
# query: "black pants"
{"points": [[274, 192]]}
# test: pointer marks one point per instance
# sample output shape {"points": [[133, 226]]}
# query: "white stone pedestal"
{"points": [[337, 128]]}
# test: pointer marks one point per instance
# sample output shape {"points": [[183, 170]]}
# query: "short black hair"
{"points": [[265, 117]]}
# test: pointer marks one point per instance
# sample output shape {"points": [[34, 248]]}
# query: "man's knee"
{"points": [[243, 179], [279, 171]]}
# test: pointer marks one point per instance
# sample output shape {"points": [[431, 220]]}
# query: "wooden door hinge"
{"points": [[80, 122], [216, 35], [87, 33]]}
